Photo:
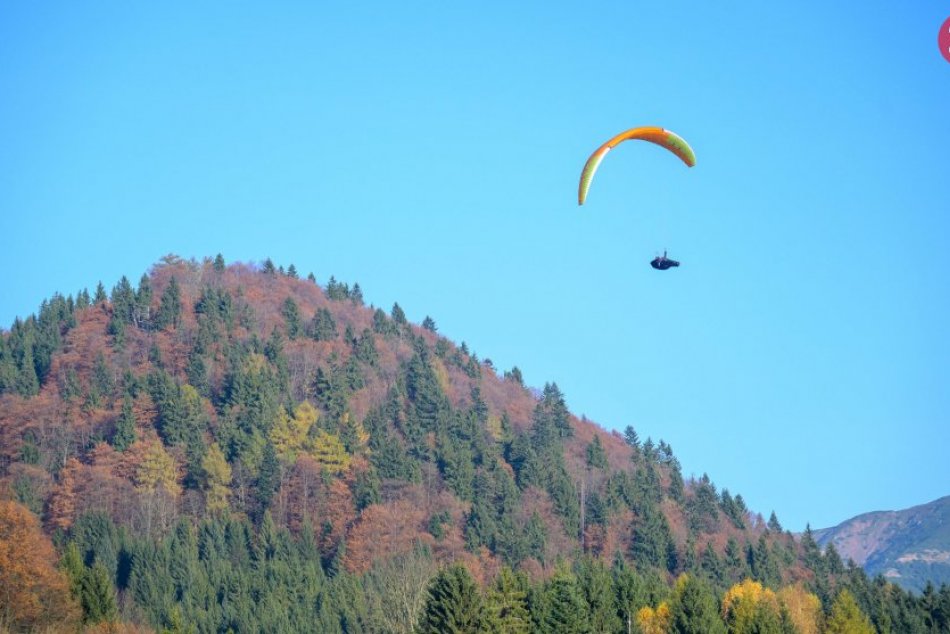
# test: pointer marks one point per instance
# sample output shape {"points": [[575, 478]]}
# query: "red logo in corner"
{"points": [[943, 39]]}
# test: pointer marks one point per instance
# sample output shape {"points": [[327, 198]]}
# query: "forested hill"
{"points": [[233, 448]]}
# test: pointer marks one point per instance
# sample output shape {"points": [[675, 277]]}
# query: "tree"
{"points": [[398, 315], [34, 595], [505, 608], [847, 618], [694, 608], [329, 452], [97, 595], [169, 308], [429, 324], [291, 314], [515, 375], [596, 456], [656, 621], [322, 327], [566, 609], [219, 263], [124, 434], [750, 608], [217, 480], [801, 608], [454, 603], [631, 438]]}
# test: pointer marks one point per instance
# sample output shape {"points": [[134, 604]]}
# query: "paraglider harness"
{"points": [[661, 263]]}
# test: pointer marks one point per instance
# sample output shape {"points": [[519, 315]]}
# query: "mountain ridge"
{"points": [[910, 546]]}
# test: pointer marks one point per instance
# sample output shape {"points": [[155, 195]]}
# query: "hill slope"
{"points": [[909, 547], [234, 447]]}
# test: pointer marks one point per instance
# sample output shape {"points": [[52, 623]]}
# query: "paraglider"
{"points": [[661, 263], [660, 136]]}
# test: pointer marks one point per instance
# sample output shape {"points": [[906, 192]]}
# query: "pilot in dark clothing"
{"points": [[661, 263]]}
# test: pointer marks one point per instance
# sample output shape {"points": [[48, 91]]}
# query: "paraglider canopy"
{"points": [[660, 136]]}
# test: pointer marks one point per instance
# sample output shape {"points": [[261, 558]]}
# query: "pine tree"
{"points": [[291, 314], [454, 604], [292, 272], [124, 434], [505, 608], [398, 315], [631, 438], [596, 456], [169, 308], [219, 265], [694, 609], [100, 294], [774, 524], [566, 609], [515, 375], [429, 324], [322, 327], [97, 595]]}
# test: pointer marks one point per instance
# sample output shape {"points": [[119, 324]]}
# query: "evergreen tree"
{"points": [[365, 348], [774, 524], [596, 456], [141, 313], [322, 327], [506, 610], [219, 263], [631, 438], [124, 434], [515, 375], [100, 294], [398, 315], [291, 314], [356, 294], [292, 272], [566, 611], [97, 595], [429, 324], [454, 603], [169, 308], [694, 609]]}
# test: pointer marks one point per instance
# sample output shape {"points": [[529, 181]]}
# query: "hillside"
{"points": [[909, 547], [233, 447]]}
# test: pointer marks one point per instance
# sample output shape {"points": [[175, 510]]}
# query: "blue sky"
{"points": [[430, 151]]}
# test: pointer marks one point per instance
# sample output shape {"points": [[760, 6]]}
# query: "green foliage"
{"points": [[506, 609], [124, 434], [596, 456], [322, 327], [454, 604], [291, 314], [694, 609], [169, 308]]}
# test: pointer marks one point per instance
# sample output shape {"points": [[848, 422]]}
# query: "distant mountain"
{"points": [[909, 547]]}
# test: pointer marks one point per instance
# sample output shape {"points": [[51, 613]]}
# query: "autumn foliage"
{"points": [[33, 593]]}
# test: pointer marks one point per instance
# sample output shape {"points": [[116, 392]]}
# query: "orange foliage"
{"points": [[62, 504], [33, 593], [383, 531]]}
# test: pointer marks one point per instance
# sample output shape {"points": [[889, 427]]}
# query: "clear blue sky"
{"points": [[430, 151]]}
